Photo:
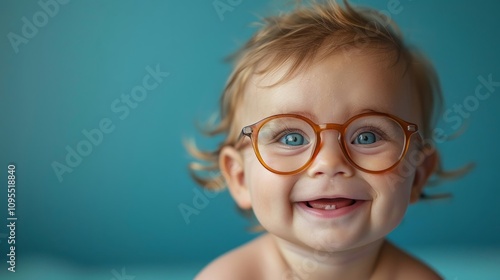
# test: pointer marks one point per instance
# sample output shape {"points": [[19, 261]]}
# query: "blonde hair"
{"points": [[297, 38]]}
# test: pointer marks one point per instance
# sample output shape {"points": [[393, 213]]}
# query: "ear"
{"points": [[231, 166], [423, 172]]}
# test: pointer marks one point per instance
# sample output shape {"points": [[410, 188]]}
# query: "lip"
{"points": [[329, 214]]}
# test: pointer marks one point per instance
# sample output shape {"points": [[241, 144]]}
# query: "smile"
{"points": [[330, 203], [330, 207]]}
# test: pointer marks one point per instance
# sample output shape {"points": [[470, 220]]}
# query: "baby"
{"points": [[326, 114]]}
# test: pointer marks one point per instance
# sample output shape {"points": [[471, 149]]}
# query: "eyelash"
{"points": [[373, 129], [286, 131]]}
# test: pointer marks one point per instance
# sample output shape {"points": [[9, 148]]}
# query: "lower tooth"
{"points": [[330, 207]]}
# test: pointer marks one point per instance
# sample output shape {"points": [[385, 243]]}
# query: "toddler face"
{"points": [[299, 208]]}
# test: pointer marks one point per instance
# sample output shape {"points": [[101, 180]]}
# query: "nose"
{"points": [[330, 160]]}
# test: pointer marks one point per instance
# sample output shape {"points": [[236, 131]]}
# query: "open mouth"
{"points": [[330, 203]]}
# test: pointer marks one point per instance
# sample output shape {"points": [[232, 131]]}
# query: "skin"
{"points": [[299, 245]]}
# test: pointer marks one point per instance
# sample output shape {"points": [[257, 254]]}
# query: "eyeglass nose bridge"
{"points": [[330, 126], [325, 127]]}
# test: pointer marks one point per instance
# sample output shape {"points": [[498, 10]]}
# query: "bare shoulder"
{"points": [[246, 262], [401, 265]]}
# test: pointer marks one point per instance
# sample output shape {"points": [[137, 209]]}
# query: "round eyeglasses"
{"points": [[288, 143]]}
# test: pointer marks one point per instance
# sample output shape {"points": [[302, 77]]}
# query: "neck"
{"points": [[307, 263]]}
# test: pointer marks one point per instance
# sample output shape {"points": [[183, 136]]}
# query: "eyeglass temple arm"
{"points": [[414, 129], [246, 131]]}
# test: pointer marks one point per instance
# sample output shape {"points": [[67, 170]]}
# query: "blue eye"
{"points": [[365, 138], [293, 139]]}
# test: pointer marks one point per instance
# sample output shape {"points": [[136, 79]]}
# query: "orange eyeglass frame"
{"points": [[252, 132]]}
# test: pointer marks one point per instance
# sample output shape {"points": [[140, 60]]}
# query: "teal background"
{"points": [[119, 208]]}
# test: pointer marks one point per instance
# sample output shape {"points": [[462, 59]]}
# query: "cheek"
{"points": [[392, 197], [269, 193]]}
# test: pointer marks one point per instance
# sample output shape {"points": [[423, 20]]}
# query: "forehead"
{"points": [[333, 89]]}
